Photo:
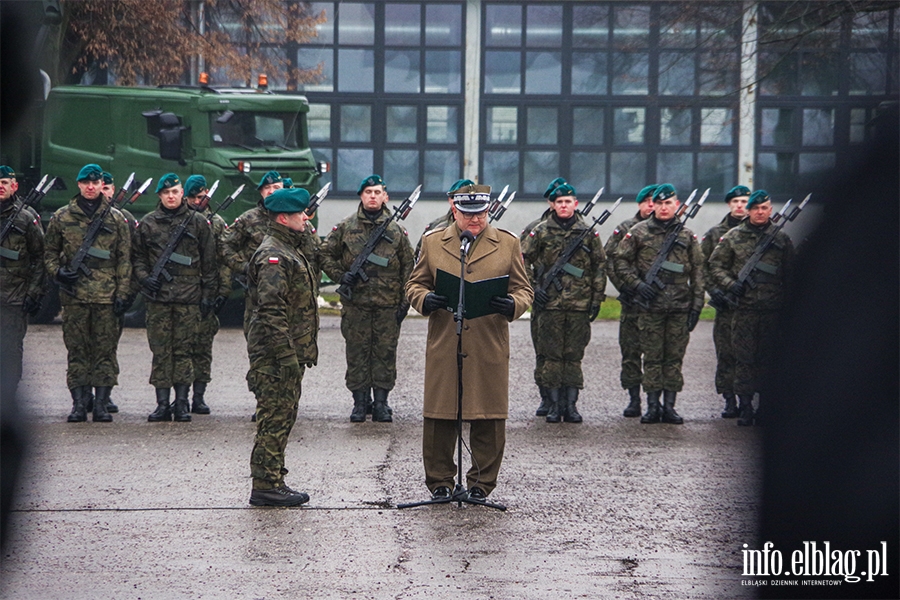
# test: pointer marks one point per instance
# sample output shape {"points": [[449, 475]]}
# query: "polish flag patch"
{"points": [[273, 260]]}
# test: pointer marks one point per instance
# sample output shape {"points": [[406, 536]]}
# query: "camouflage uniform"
{"points": [[21, 277], [438, 223], [209, 325], [281, 343], [370, 321], [535, 327], [90, 329]]}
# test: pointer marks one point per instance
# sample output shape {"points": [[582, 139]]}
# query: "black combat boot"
{"points": [[370, 404], [571, 414], [111, 406], [359, 406], [163, 411], [544, 408], [181, 410], [746, 411], [381, 412], [669, 415], [88, 398], [653, 412], [634, 406], [731, 409], [199, 407], [554, 415], [101, 399], [79, 411]]}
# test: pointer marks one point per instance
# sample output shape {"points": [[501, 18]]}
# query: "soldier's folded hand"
{"points": [[504, 305], [401, 313], [66, 276], [737, 289], [32, 306], [645, 291], [595, 310], [206, 307], [349, 279], [692, 319], [121, 306], [151, 284], [433, 302], [219, 303], [541, 298]]}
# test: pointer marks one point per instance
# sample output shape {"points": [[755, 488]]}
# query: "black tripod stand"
{"points": [[459, 494]]}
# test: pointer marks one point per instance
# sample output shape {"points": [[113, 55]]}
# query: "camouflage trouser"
{"points": [[564, 336], [630, 345], [13, 324], [535, 337], [370, 336], [172, 333], [724, 351], [202, 350], [752, 336], [91, 335], [277, 391], [664, 339]]}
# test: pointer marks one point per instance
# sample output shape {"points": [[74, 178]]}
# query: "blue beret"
{"points": [[268, 179], [291, 200], [287, 182], [194, 184], [758, 197], [553, 185], [664, 191], [166, 181], [459, 183], [7, 172], [370, 181], [561, 190], [90, 172], [647, 191], [738, 190], [472, 198]]}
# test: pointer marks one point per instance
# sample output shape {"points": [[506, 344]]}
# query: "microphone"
{"points": [[466, 238]]}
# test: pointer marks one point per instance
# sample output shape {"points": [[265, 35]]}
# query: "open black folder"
{"points": [[478, 293]]}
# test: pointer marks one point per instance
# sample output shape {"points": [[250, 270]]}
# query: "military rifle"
{"points": [[724, 300], [356, 270], [685, 212], [86, 249], [316, 200], [33, 198], [169, 254], [562, 262], [207, 197], [497, 209]]}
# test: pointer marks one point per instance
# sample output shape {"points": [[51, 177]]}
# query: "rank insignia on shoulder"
{"points": [[273, 260]]}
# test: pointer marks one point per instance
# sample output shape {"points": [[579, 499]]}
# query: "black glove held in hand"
{"points": [[737, 289], [31, 306], [151, 285], [595, 310], [693, 317], [66, 276], [645, 291], [348, 279], [401, 313], [541, 298], [504, 305], [219, 303], [120, 306], [434, 302], [206, 307]]}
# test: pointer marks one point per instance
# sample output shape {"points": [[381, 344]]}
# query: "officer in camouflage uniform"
{"points": [[631, 375], [737, 201], [175, 307], [370, 321], [21, 278], [565, 316], [281, 342], [91, 325], [446, 219], [673, 311], [195, 193], [754, 321]]}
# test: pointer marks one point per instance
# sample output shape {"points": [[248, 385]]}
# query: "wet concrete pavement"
{"points": [[609, 508]]}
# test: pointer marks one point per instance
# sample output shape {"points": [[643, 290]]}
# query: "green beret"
{"points": [[7, 172], [553, 185], [194, 184], [758, 197], [287, 182], [368, 182], [166, 181], [90, 172], [647, 191], [268, 179], [291, 200], [472, 198], [738, 190], [561, 190], [664, 191], [107, 177], [459, 183]]}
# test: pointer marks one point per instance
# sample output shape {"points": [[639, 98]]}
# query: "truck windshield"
{"points": [[256, 129]]}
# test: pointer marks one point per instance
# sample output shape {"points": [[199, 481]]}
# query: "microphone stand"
{"points": [[459, 494]]}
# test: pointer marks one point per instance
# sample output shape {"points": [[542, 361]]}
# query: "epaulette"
{"points": [[427, 233], [507, 232]]}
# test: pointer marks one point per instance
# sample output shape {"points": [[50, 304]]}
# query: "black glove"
{"points": [[349, 279], [219, 303], [433, 302], [151, 285], [541, 298], [645, 291], [717, 296], [121, 306], [401, 313], [66, 276], [504, 305], [32, 306], [595, 310], [206, 307], [693, 317], [737, 289]]}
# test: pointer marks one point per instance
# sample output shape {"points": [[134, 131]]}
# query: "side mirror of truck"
{"points": [[171, 137]]}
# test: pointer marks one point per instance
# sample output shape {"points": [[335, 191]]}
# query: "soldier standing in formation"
{"points": [[673, 311], [91, 313], [737, 201], [175, 305], [632, 374], [281, 342], [493, 253], [565, 315], [21, 278], [754, 321], [371, 318], [195, 192]]}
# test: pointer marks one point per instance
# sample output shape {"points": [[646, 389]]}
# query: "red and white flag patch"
{"points": [[273, 260]]}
